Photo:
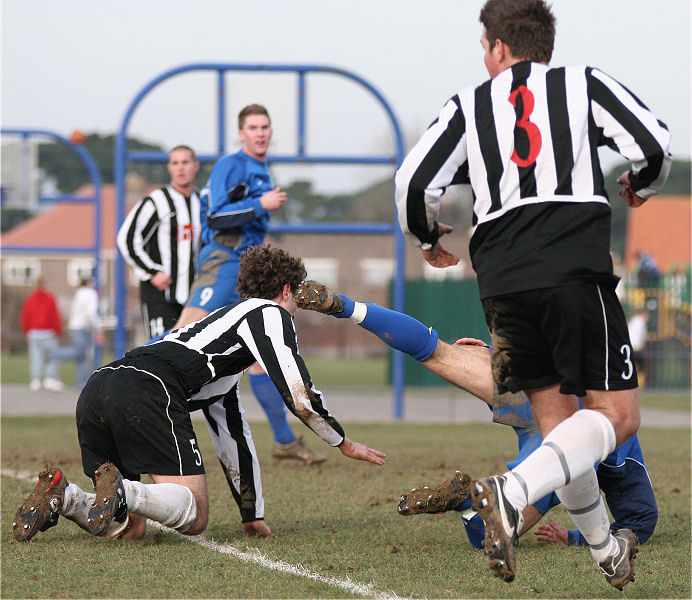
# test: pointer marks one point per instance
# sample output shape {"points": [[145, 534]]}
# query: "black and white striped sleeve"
{"points": [[438, 159], [134, 234], [633, 130], [270, 335]]}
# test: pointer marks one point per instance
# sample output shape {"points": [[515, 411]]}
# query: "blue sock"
{"points": [[475, 529], [349, 305], [271, 401], [400, 331]]}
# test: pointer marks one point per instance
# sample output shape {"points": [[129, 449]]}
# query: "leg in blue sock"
{"points": [[475, 529], [401, 332]]}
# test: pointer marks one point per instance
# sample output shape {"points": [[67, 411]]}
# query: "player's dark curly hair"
{"points": [[264, 270], [526, 26]]}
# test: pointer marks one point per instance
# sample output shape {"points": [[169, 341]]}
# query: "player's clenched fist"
{"points": [[273, 199]]}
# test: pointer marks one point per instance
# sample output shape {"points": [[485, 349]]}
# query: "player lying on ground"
{"points": [[133, 416], [622, 475]]}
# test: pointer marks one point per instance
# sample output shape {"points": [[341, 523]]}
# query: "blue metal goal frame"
{"points": [[123, 157], [95, 177]]}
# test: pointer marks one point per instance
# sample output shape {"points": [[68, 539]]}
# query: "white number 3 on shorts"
{"points": [[627, 353]]}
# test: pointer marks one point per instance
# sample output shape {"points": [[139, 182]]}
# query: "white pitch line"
{"points": [[256, 557]]}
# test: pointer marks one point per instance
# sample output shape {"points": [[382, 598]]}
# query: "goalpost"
{"points": [[123, 157], [95, 176]]}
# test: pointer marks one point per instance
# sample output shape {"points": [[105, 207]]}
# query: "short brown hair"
{"points": [[526, 26], [251, 109], [264, 270], [183, 147]]}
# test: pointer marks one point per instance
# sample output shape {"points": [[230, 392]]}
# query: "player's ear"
{"points": [[286, 291]]}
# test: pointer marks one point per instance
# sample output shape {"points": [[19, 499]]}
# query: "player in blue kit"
{"points": [[622, 476], [235, 205]]}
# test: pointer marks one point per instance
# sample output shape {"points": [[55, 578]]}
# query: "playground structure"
{"points": [[95, 199], [123, 157]]}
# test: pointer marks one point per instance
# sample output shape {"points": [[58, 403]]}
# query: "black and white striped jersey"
{"points": [[209, 357], [527, 143], [161, 233]]}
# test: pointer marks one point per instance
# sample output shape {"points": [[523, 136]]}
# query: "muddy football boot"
{"points": [[42, 507], [312, 295], [110, 503], [619, 569], [446, 496], [502, 522], [298, 450]]}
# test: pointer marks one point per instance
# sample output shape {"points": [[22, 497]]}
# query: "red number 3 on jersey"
{"points": [[532, 131]]}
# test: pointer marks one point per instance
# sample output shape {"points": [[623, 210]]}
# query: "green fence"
{"points": [[453, 308]]}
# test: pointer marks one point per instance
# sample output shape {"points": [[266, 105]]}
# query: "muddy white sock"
{"points": [[584, 504], [567, 452], [170, 504], [76, 505]]}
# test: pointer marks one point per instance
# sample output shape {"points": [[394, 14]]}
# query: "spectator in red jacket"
{"points": [[42, 325]]}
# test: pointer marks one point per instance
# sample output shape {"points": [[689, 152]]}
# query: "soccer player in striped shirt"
{"points": [[159, 239], [527, 141]]}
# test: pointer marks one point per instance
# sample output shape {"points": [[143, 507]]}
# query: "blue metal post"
{"points": [[95, 176], [123, 157]]}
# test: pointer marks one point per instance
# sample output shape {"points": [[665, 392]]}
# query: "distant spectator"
{"points": [[648, 274], [41, 323], [85, 328], [677, 280], [637, 326]]}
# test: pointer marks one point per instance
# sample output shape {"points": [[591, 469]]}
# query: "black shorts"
{"points": [[129, 414], [158, 313], [575, 335]]}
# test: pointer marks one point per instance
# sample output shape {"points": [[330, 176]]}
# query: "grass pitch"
{"points": [[337, 520]]}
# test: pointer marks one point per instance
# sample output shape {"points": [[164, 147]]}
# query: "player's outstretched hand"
{"points": [[552, 533], [628, 193], [361, 452]]}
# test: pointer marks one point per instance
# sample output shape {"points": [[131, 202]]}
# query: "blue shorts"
{"points": [[216, 280]]}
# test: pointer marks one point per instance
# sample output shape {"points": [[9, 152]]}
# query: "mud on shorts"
{"points": [[216, 280], [574, 335], [128, 415]]}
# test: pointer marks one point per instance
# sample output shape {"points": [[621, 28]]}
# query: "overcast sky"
{"points": [[78, 64]]}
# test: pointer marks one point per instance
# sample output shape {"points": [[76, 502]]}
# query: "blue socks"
{"points": [[475, 530], [349, 305], [395, 329], [273, 404]]}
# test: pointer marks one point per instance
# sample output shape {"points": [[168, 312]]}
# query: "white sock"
{"points": [[76, 505], [170, 504], [584, 504], [567, 452], [360, 310]]}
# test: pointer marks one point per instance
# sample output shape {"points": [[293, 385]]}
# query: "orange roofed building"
{"points": [[662, 228]]}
